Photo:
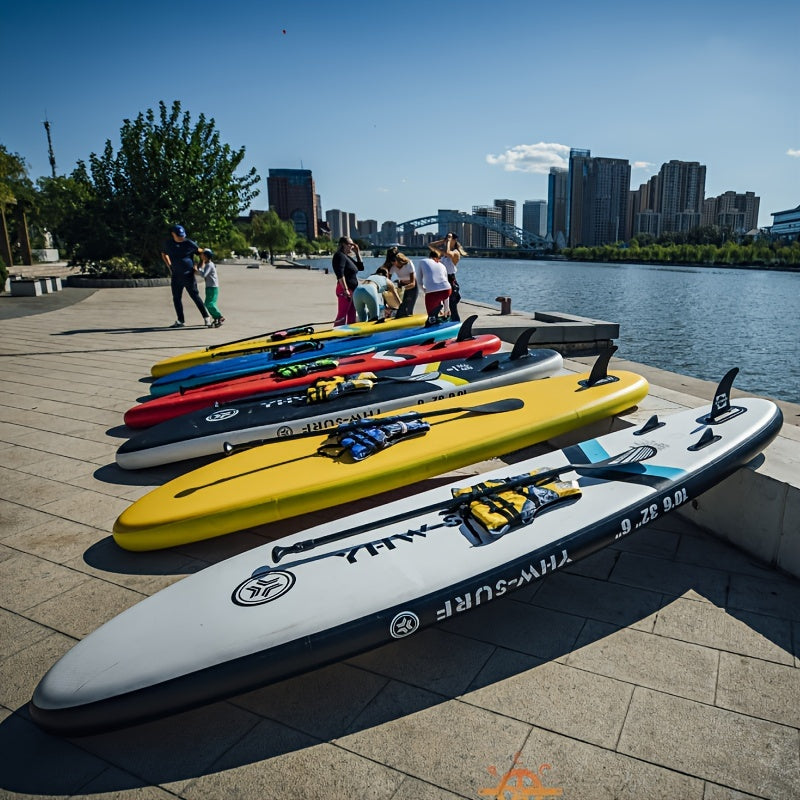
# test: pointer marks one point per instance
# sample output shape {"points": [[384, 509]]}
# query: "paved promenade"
{"points": [[665, 666]]}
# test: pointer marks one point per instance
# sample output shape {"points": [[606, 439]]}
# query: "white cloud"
{"points": [[642, 165], [532, 157], [795, 153]]}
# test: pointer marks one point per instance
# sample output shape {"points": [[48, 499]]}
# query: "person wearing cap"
{"points": [[178, 254], [208, 269]]}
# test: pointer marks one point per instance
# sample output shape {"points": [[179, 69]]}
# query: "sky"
{"points": [[400, 109]]}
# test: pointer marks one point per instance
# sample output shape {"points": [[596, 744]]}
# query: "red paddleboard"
{"points": [[172, 405]]}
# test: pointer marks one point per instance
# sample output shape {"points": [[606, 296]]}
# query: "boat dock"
{"points": [[666, 665]]}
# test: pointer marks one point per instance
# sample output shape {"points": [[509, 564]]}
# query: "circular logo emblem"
{"points": [[404, 624], [263, 588], [221, 414], [284, 430]]}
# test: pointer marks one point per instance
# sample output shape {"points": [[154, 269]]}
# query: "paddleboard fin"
{"points": [[599, 374], [465, 331], [705, 440], [521, 345], [651, 425], [721, 404]]}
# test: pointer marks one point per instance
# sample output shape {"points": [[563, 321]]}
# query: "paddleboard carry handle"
{"points": [[634, 455]]}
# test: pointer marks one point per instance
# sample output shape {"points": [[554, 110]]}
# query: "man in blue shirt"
{"points": [[178, 254]]}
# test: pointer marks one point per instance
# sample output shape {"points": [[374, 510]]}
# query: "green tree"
{"points": [[61, 209], [269, 232], [17, 197], [167, 170]]}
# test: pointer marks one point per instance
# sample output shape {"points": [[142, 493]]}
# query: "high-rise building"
{"points": [[737, 213], [486, 237], [682, 186], [597, 204], [291, 193], [338, 223], [508, 215], [557, 206], [366, 227], [534, 217]]}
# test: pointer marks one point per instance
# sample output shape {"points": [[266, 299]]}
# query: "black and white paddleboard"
{"points": [[221, 429], [337, 589]]}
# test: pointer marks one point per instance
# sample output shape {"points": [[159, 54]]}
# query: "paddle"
{"points": [[498, 407], [632, 456], [300, 329]]}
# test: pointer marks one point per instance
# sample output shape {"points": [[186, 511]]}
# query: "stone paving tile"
{"points": [[17, 518], [650, 541], [32, 490], [708, 551], [572, 702], [668, 578], [21, 672], [598, 565], [18, 632], [37, 765], [643, 659], [322, 703], [519, 626], [594, 599], [174, 751], [26, 581], [759, 688], [714, 791], [413, 789], [777, 595], [433, 659], [448, 744], [59, 540], [84, 608], [89, 508], [742, 752], [588, 772], [308, 771], [755, 635]]}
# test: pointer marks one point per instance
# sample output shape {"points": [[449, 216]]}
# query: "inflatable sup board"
{"points": [[294, 476], [266, 341], [330, 402], [329, 592], [282, 378], [253, 363]]}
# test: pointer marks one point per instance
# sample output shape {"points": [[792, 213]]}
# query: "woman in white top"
{"points": [[368, 295], [435, 283], [403, 272], [451, 255]]}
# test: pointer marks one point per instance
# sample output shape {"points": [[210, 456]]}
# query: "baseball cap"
{"points": [[179, 230]]}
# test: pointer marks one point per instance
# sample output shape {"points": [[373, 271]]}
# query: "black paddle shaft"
{"points": [[634, 455]]}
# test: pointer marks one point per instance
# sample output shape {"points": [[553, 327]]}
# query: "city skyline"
{"points": [[390, 106]]}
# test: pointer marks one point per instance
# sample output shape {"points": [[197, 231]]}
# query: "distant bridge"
{"points": [[525, 240]]}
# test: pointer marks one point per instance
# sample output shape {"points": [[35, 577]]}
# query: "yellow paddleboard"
{"points": [[289, 477], [261, 343]]}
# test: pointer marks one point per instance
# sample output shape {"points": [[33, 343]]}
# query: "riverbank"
{"points": [[640, 671]]}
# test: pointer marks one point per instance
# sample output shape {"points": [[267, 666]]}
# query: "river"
{"points": [[696, 321]]}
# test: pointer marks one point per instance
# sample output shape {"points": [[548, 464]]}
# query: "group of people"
{"points": [[395, 285], [392, 288], [178, 254]]}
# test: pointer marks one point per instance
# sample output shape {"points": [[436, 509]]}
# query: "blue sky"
{"points": [[400, 109]]}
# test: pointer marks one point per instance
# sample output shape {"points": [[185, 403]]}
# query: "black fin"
{"points": [[465, 331], [705, 440], [492, 366], [599, 374], [651, 424], [521, 345], [722, 397]]}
